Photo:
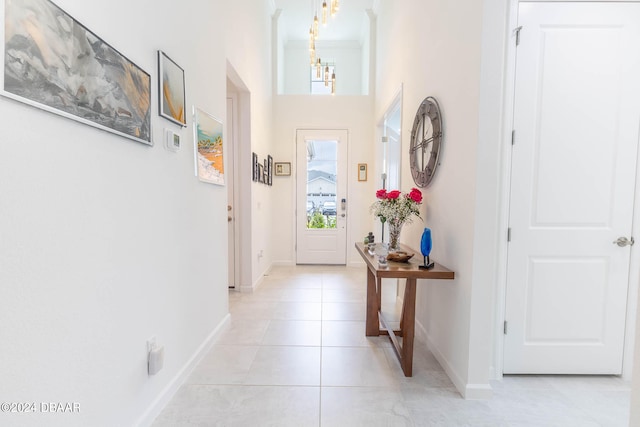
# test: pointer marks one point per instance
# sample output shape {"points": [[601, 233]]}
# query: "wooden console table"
{"points": [[397, 270]]}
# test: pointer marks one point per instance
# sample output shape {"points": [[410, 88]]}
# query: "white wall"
{"points": [[105, 242], [635, 386], [368, 44], [447, 67], [323, 112], [278, 49], [346, 55]]}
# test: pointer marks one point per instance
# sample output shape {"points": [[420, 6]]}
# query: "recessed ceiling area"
{"points": [[348, 24]]}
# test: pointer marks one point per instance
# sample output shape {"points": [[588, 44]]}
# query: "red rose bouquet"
{"points": [[396, 209]]}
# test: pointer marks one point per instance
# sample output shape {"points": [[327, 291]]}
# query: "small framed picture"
{"points": [[171, 90], [283, 168], [362, 171], [269, 170], [254, 174], [260, 172], [265, 178]]}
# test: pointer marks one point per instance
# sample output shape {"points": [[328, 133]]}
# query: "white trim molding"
{"points": [[174, 385]]}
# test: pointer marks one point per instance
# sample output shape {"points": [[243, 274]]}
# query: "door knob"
{"points": [[623, 241]]}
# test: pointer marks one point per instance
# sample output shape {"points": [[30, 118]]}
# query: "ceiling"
{"points": [[348, 24]]}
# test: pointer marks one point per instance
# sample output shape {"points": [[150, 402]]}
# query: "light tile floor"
{"points": [[295, 354]]}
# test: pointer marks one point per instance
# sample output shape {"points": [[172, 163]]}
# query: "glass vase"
{"points": [[395, 227]]}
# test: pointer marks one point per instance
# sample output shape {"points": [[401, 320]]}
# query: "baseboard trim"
{"points": [[258, 282], [284, 263], [174, 385], [478, 392], [356, 264], [253, 286], [467, 391]]}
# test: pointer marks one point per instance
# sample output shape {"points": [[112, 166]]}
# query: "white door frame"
{"points": [[295, 171], [244, 269], [393, 106], [234, 143], [504, 200]]}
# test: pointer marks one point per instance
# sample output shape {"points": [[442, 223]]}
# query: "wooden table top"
{"points": [[403, 270]]}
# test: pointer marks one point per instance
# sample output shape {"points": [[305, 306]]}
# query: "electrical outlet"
{"points": [[151, 344]]}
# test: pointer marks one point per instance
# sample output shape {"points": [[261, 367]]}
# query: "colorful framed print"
{"points": [[209, 151], [83, 78], [171, 91]]}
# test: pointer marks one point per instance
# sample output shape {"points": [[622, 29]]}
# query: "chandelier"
{"points": [[326, 9], [326, 72]]}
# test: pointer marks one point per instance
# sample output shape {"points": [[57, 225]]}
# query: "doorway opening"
{"points": [[391, 143], [390, 129], [238, 150]]}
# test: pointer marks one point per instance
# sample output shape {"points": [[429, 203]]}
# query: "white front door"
{"points": [[321, 204], [576, 121]]}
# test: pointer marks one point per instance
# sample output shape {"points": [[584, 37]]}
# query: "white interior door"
{"points": [[321, 202], [576, 121]]}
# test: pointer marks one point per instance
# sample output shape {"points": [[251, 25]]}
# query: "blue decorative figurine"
{"points": [[425, 248]]}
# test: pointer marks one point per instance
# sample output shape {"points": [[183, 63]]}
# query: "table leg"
{"points": [[373, 323], [404, 304], [408, 321]]}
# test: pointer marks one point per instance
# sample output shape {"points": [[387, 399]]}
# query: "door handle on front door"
{"points": [[623, 241]]}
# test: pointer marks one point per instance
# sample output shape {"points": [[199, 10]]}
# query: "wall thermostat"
{"points": [[171, 140]]}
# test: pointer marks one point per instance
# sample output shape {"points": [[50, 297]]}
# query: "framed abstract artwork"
{"points": [[171, 91], [209, 153], [53, 62]]}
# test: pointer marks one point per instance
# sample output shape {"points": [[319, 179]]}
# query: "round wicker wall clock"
{"points": [[426, 140]]}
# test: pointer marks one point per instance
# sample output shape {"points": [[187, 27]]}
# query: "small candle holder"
{"points": [[371, 248], [382, 261], [381, 252]]}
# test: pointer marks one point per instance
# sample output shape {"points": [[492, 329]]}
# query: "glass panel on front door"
{"points": [[322, 166]]}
